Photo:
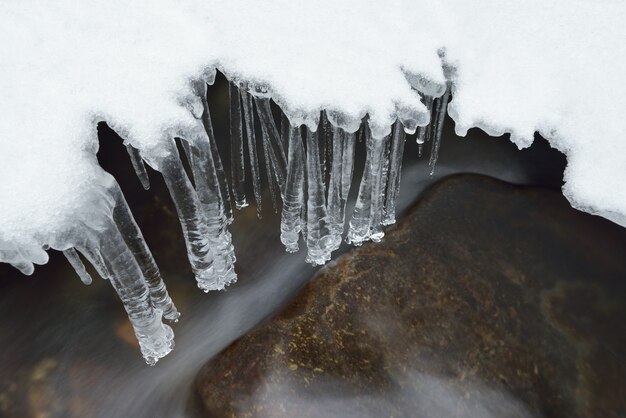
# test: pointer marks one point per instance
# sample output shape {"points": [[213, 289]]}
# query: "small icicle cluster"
{"points": [[309, 170], [312, 172]]}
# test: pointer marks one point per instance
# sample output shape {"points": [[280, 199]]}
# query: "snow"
{"points": [[557, 68]]}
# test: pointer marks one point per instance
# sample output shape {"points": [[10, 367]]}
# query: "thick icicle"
{"points": [[395, 166], [365, 223], [79, 267], [238, 173], [293, 203], [155, 339], [336, 196], [422, 130], [347, 163], [320, 240], [138, 165], [379, 150], [219, 168], [440, 116], [359, 229], [192, 220], [204, 167], [248, 114], [159, 296]]}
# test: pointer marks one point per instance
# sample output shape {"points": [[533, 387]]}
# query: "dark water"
{"points": [[68, 350]]}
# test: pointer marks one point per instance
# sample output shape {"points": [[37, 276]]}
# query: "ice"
{"points": [[142, 67], [237, 164], [293, 203], [155, 338], [273, 151], [395, 166], [437, 128], [248, 114], [320, 239], [138, 166], [74, 259], [359, 230]]}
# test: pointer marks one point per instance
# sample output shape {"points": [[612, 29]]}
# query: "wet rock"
{"points": [[486, 300]]}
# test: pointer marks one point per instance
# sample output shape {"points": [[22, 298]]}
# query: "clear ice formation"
{"points": [[309, 169]]}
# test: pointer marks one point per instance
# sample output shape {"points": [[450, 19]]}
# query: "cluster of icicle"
{"points": [[311, 172]]}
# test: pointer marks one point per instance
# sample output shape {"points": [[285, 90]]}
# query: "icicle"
{"points": [[367, 215], [236, 151], [336, 195], [359, 229], [155, 339], [219, 168], [324, 143], [385, 166], [274, 150], [204, 167], [125, 222], [378, 150], [320, 240], [395, 166], [347, 163], [93, 255], [138, 165], [248, 114], [291, 221], [75, 261], [192, 218], [440, 116], [422, 130], [285, 131]]}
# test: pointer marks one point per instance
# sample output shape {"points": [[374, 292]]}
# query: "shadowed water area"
{"points": [[68, 350]]}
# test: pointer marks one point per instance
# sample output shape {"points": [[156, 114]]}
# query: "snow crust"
{"points": [[557, 68]]}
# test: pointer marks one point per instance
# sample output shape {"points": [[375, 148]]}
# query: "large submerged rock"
{"points": [[486, 300]]}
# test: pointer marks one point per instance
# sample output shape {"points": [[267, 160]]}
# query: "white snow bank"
{"points": [[554, 67]]}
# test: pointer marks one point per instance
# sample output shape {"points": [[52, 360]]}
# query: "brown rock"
{"points": [[486, 300]]}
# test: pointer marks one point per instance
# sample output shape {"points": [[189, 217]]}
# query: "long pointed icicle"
{"points": [[438, 128], [219, 168], [159, 296], [138, 165], [237, 169], [359, 229], [293, 204], [248, 114], [395, 167], [273, 147], [156, 339], [285, 131], [320, 240], [79, 267]]}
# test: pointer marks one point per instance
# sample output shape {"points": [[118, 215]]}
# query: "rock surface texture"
{"points": [[485, 300]]}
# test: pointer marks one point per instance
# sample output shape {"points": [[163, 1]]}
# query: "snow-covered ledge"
{"points": [[557, 68]]}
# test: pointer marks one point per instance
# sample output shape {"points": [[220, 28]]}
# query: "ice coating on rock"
{"points": [[556, 68]]}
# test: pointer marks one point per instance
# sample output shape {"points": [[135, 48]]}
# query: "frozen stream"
{"points": [[68, 350]]}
